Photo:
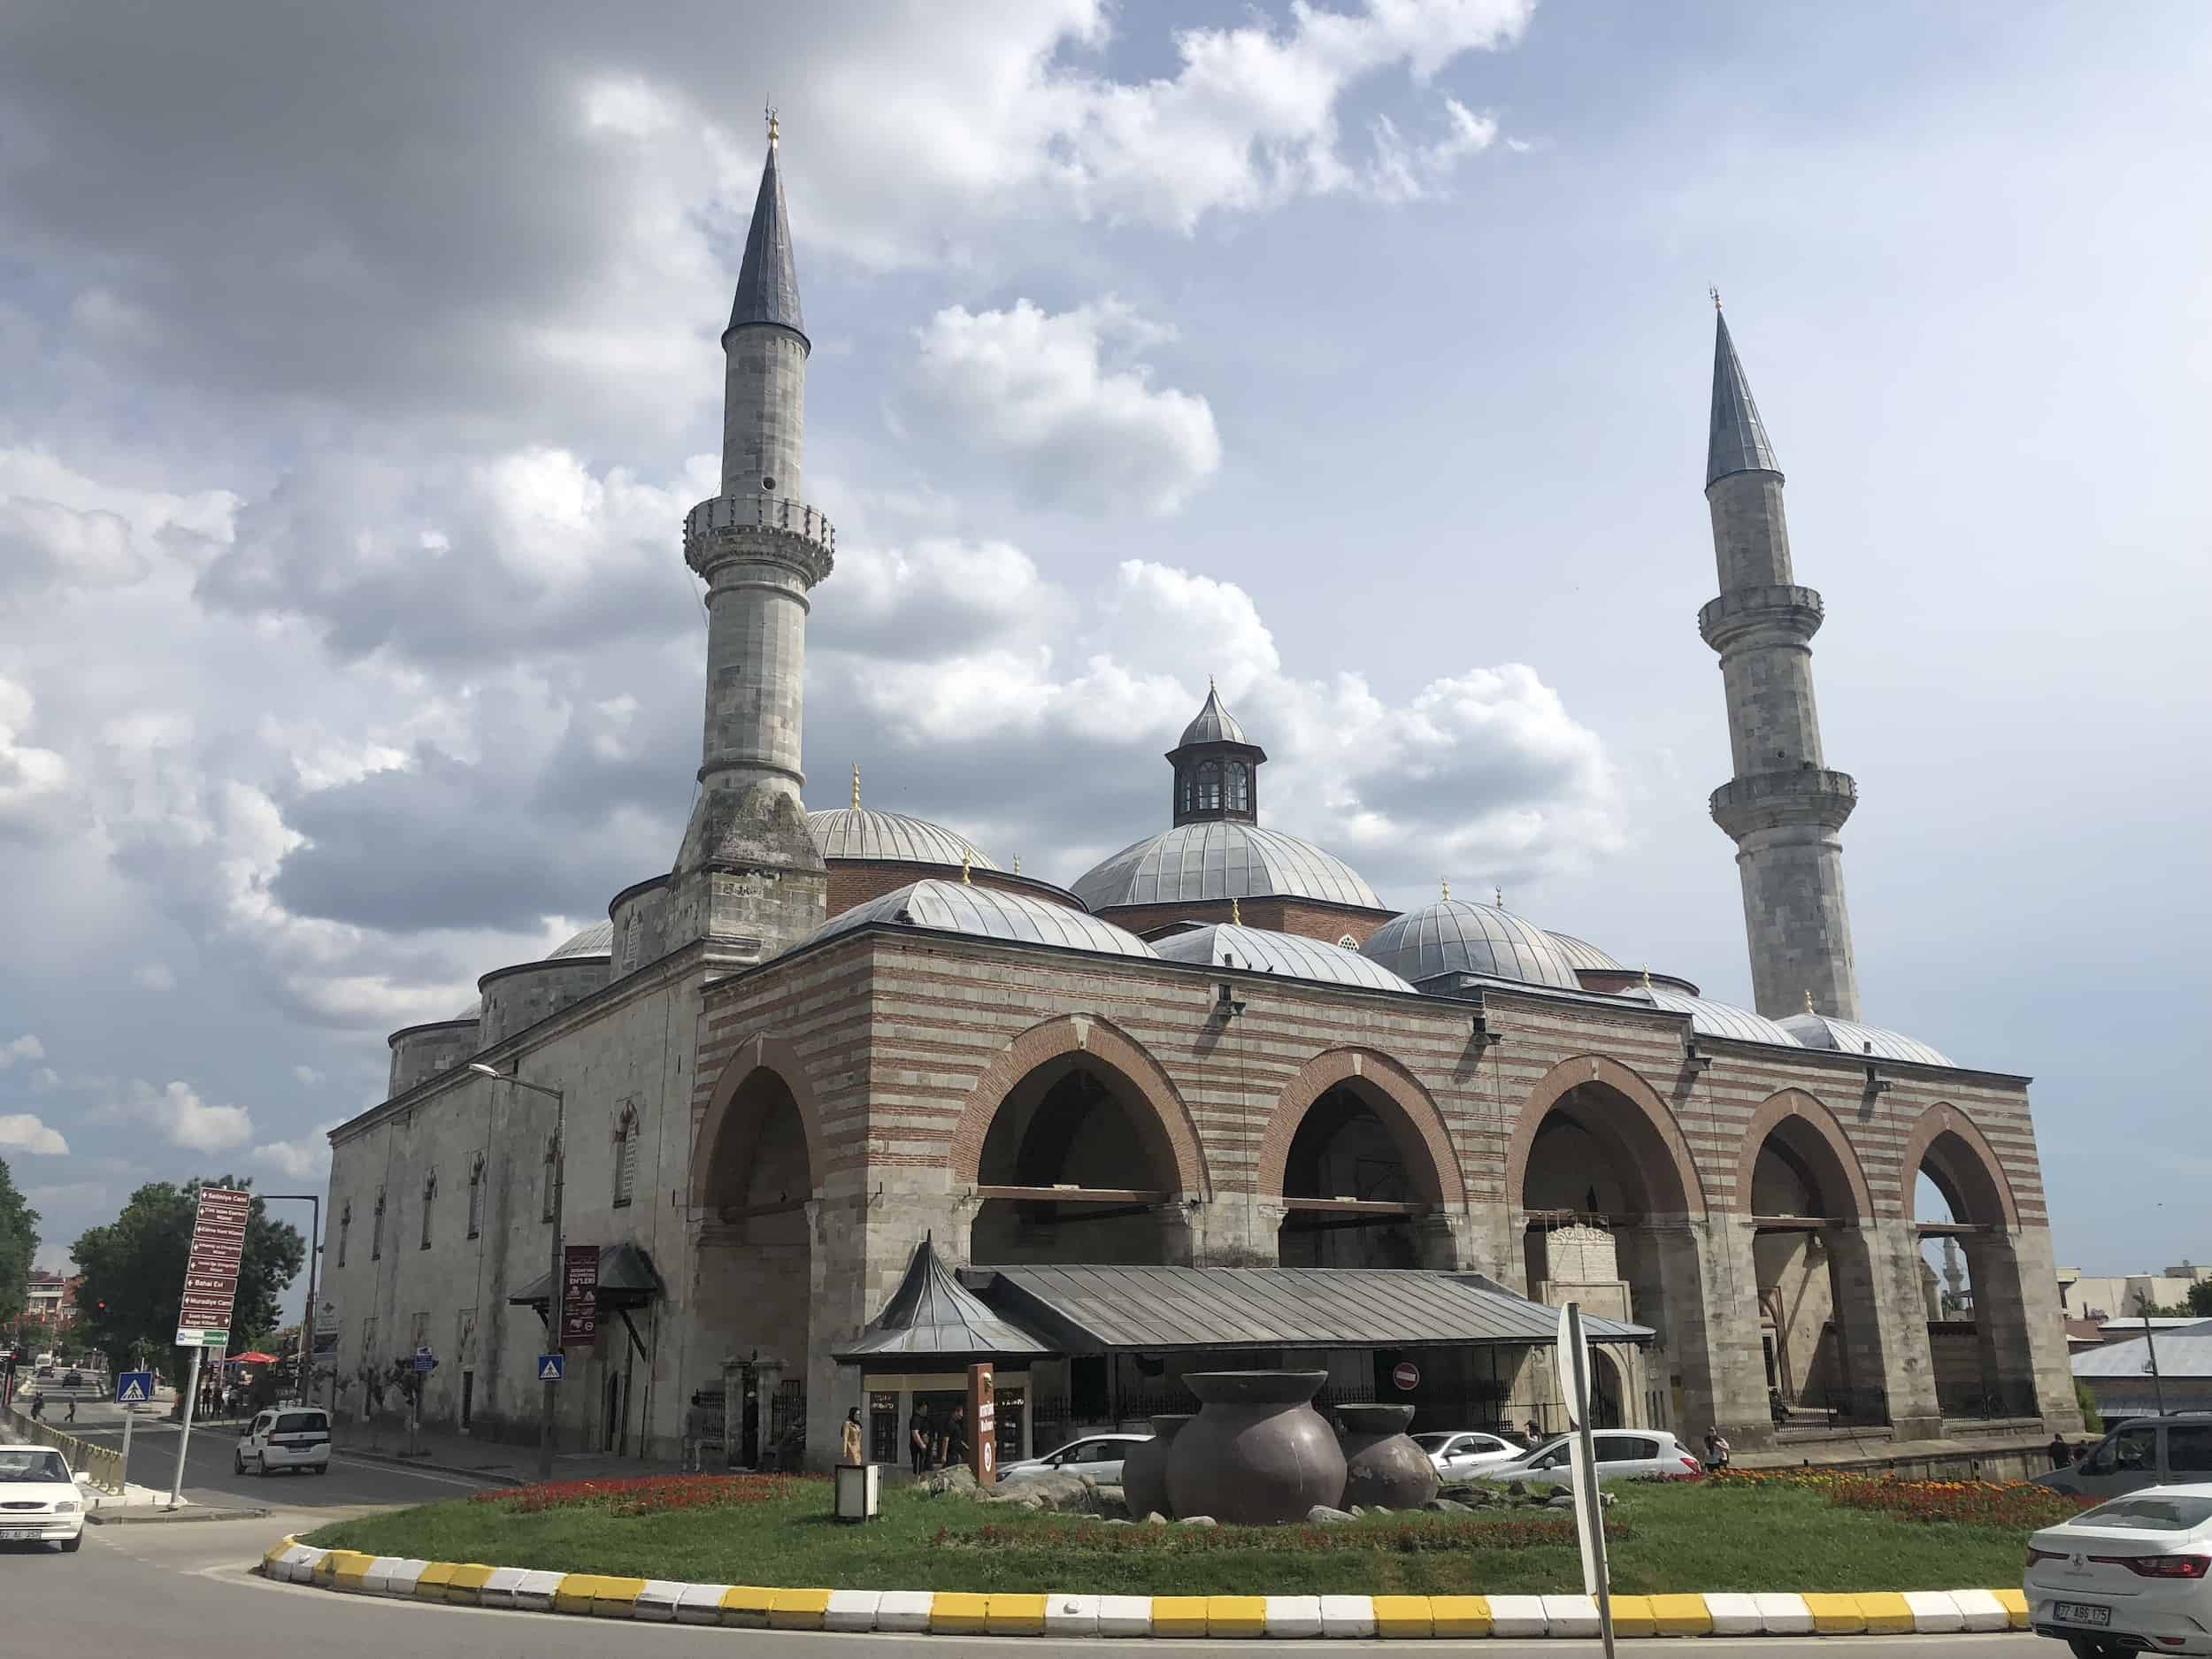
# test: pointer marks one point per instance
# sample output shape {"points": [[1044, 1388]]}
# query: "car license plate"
{"points": [[20, 1535], [2083, 1613]]}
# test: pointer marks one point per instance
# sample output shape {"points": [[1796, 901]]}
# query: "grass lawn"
{"points": [[1688, 1536]]}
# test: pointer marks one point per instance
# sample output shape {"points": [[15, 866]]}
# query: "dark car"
{"points": [[2139, 1452], [72, 1380]]}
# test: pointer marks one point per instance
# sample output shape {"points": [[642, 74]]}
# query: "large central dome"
{"points": [[1222, 859]]}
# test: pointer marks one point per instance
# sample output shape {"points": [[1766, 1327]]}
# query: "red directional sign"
{"points": [[210, 1269], [580, 1295]]}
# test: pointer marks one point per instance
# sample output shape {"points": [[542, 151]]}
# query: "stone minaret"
{"points": [[1784, 807], [750, 880]]}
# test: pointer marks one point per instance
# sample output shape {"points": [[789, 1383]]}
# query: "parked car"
{"points": [[294, 1438], [2141, 1452], [1622, 1454], [1097, 1455], [2126, 1576], [1457, 1454], [40, 1501]]}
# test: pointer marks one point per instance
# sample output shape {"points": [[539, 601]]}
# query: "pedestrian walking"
{"points": [[38, 1404], [1535, 1433], [1717, 1448], [72, 1417], [849, 1437], [921, 1443]]}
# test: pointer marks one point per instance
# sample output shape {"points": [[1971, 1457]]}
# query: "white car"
{"points": [[1097, 1455], [288, 1437], [1622, 1454], [2128, 1576], [1458, 1454], [41, 1503]]}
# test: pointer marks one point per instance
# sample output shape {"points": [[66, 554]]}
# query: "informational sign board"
{"points": [[211, 1267], [982, 1425], [580, 1295], [1405, 1375], [551, 1367], [134, 1388], [426, 1361]]}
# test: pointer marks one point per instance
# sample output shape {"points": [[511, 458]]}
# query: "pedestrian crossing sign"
{"points": [[550, 1367], [134, 1388]]}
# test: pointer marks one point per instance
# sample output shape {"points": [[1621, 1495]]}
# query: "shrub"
{"points": [[2092, 1419]]}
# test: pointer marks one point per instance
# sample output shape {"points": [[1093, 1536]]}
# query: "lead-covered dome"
{"points": [[1709, 1018], [956, 907], [863, 833], [1222, 859], [596, 941], [1260, 950], [1452, 936], [1848, 1036], [1585, 957]]}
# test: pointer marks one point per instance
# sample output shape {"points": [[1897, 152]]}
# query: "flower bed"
{"points": [[1408, 1537], [2017, 1503], [648, 1495]]}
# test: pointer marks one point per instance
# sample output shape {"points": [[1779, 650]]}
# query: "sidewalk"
{"points": [[501, 1462]]}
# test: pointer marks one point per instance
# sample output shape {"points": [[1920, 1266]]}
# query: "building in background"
{"points": [[52, 1298]]}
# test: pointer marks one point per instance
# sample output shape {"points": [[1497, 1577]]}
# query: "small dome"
{"points": [[1585, 957], [1452, 936], [1214, 724], [1709, 1018], [596, 941], [1846, 1036], [1229, 944], [474, 1010], [1222, 859], [957, 907], [891, 838]]}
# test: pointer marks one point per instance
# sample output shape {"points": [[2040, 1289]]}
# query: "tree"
{"points": [[2200, 1300], [18, 1244], [133, 1274]]}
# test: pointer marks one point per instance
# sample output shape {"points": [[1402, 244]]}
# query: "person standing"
{"points": [[955, 1449], [849, 1437], [1535, 1433], [920, 1440], [38, 1404], [1717, 1448], [2061, 1456]]}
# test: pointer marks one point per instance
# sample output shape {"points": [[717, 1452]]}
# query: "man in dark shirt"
{"points": [[920, 1438], [955, 1450]]}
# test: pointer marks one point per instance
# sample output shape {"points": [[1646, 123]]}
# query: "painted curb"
{"points": [[955, 1612]]}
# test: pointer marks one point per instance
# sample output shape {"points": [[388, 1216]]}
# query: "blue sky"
{"points": [[360, 373]]}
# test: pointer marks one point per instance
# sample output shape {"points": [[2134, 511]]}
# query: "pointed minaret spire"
{"points": [[768, 281], [1738, 439], [1784, 808]]}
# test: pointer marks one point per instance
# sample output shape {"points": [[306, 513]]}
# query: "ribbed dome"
{"points": [[1228, 944], [1709, 1018], [596, 941], [1452, 936], [1584, 956], [956, 907], [1222, 859], [892, 837], [1213, 725], [1845, 1036]]}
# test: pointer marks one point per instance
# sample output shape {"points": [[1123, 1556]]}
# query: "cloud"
{"points": [[24, 1047], [308, 1075], [179, 1113], [43, 543], [1055, 398], [21, 1132], [34, 804], [305, 1158], [154, 976]]}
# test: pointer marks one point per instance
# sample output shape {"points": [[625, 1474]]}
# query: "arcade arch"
{"points": [[758, 1175], [1964, 1217], [1362, 1162]]}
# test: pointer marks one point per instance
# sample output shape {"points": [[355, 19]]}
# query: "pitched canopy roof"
{"points": [[768, 281], [933, 1316], [1737, 442]]}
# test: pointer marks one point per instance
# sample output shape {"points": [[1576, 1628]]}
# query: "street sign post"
{"points": [[982, 1424], [210, 1285], [551, 1366], [426, 1361], [131, 1388], [1574, 1377], [580, 1295], [1405, 1376]]}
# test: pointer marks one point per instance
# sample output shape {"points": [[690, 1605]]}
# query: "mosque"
{"points": [[844, 1104]]}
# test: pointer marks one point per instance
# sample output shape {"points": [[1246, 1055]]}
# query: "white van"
{"points": [[285, 1437]]}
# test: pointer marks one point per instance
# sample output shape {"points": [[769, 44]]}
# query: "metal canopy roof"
{"points": [[933, 1316], [627, 1279], [1096, 1310], [2185, 1354]]}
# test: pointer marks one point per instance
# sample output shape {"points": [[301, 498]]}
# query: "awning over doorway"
{"points": [[1101, 1310], [932, 1317], [627, 1279]]}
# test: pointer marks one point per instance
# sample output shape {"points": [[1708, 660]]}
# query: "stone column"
{"points": [[1893, 1249], [1443, 1242]]}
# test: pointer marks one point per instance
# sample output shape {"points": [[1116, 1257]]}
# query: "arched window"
{"points": [[1209, 786], [1185, 790], [376, 1228], [476, 1196], [1239, 787], [552, 1176], [625, 1155], [429, 1197], [345, 1230]]}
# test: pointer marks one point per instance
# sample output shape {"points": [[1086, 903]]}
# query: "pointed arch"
{"points": [[1958, 1157], [1171, 1134], [1415, 1124], [1647, 1125], [1815, 1130], [734, 1113]]}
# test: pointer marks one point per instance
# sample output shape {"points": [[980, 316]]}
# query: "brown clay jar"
{"points": [[1258, 1454], [1383, 1468]]}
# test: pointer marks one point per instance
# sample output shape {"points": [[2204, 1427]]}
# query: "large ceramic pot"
{"points": [[1383, 1469], [1258, 1455], [1144, 1472]]}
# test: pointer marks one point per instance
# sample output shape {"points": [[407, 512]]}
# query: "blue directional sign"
{"points": [[425, 1360], [134, 1388], [550, 1366]]}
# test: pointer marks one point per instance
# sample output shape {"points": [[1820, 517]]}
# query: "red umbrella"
{"points": [[254, 1357]]}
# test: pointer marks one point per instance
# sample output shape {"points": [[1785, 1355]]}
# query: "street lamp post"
{"points": [[307, 1325], [553, 1286]]}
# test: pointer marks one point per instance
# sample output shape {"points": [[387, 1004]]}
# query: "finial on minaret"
{"points": [[770, 110], [1236, 913], [1498, 894], [1810, 1009], [1715, 292], [966, 856], [855, 786]]}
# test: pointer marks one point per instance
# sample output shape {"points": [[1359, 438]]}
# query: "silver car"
{"points": [[1622, 1454], [1458, 1454], [1097, 1455]]}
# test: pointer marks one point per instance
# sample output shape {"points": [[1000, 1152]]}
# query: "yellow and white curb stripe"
{"points": [[950, 1612]]}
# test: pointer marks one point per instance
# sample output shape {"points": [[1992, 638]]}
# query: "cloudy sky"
{"points": [[360, 364]]}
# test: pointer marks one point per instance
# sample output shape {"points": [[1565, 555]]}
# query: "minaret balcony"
{"points": [[1769, 800], [772, 527], [1783, 612]]}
